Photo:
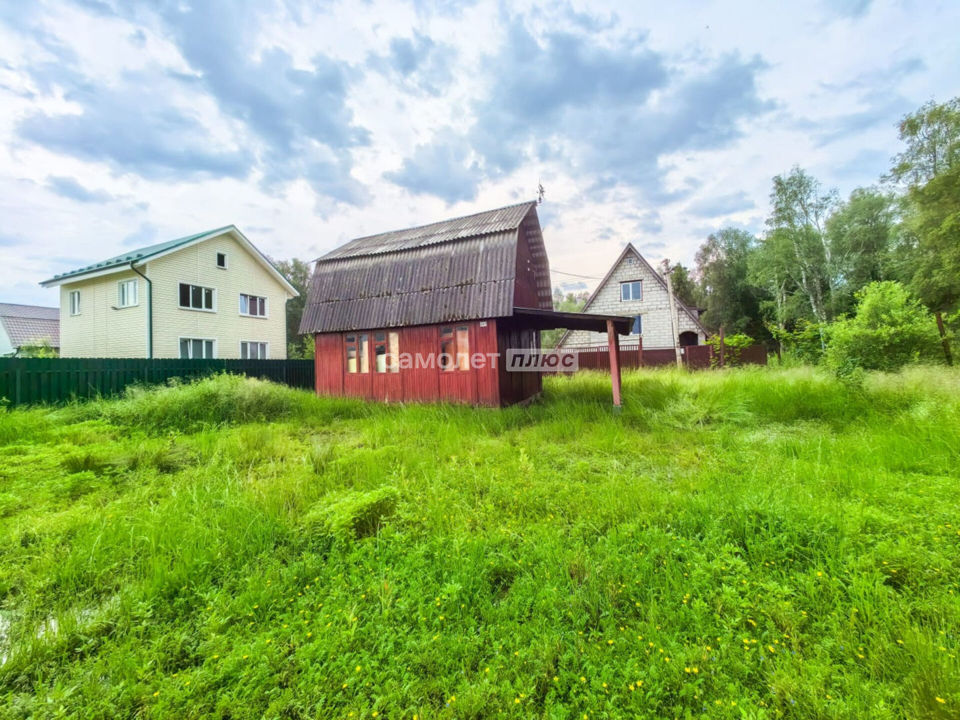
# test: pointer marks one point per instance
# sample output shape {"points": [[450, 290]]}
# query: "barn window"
{"points": [[358, 356], [363, 353], [632, 290], [447, 349], [351, 345], [455, 348], [463, 348], [386, 352]]}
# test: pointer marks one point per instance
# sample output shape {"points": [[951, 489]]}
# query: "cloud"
{"points": [[849, 8], [612, 110], [69, 188], [719, 205], [9, 240], [419, 63], [442, 168], [134, 127], [146, 234], [300, 114], [291, 120]]}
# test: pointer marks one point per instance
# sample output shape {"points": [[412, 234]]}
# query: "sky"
{"points": [[306, 124]]}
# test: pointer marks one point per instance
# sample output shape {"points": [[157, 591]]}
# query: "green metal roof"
{"points": [[143, 253]]}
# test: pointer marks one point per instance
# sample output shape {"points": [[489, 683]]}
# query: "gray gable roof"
{"points": [[449, 271], [485, 223], [30, 324]]}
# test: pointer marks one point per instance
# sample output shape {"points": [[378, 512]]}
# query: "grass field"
{"points": [[757, 543]]}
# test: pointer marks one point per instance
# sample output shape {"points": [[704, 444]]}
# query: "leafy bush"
{"points": [[356, 514], [890, 330], [733, 346]]}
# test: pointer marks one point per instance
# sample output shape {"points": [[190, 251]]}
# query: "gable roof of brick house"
{"points": [[630, 249]]}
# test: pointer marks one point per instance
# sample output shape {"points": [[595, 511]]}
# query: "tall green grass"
{"points": [[753, 543]]}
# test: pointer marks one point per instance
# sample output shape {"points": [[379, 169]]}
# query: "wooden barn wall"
{"points": [[478, 386], [525, 282], [516, 386]]}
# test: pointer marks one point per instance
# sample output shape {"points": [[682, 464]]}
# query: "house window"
{"points": [[196, 349], [127, 293], [253, 350], [358, 358], [637, 327], [195, 297], [221, 260], [74, 302], [632, 290], [386, 352], [253, 305], [454, 348], [463, 348]]}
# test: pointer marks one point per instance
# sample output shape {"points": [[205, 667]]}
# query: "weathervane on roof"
{"points": [[540, 192]]}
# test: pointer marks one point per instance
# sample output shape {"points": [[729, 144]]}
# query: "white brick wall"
{"points": [[654, 308]]}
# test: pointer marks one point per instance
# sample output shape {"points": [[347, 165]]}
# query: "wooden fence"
{"points": [[27, 381], [695, 357]]}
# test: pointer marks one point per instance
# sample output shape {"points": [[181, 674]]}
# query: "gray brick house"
{"points": [[632, 287]]}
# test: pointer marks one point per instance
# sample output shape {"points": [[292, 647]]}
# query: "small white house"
{"points": [[209, 295], [632, 287]]}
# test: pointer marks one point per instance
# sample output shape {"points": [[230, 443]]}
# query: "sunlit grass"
{"points": [[759, 543]]}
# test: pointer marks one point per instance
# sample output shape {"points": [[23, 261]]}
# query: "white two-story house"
{"points": [[209, 295], [632, 287]]}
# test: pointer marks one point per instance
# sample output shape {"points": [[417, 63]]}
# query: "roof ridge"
{"points": [[445, 220], [139, 253], [42, 307]]}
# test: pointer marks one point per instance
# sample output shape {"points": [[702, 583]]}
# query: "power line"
{"points": [[585, 277]]}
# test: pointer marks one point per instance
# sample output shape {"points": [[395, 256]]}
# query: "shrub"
{"points": [[890, 330], [733, 346], [357, 514]]}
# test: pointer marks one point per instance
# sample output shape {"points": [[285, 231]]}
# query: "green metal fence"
{"points": [[27, 381]]}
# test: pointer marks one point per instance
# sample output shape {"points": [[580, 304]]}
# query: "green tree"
{"points": [[932, 135], [563, 302], [796, 246], [929, 167], [298, 273], [861, 234], [730, 298], [684, 287]]}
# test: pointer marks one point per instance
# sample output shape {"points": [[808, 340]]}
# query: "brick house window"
{"points": [[631, 290]]}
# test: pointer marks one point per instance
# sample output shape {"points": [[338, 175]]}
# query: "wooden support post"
{"points": [[722, 357], [613, 343], [944, 340]]}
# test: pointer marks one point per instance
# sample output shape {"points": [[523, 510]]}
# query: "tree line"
{"points": [[820, 255]]}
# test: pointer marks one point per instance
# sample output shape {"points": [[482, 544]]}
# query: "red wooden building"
{"points": [[428, 313]]}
